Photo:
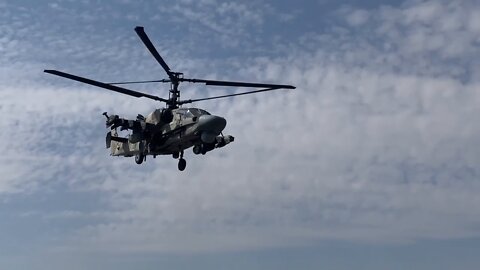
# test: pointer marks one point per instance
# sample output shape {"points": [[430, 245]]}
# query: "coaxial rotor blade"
{"points": [[143, 36], [231, 95], [134, 82], [104, 85], [237, 84]]}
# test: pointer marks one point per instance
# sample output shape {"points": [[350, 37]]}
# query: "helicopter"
{"points": [[172, 129]]}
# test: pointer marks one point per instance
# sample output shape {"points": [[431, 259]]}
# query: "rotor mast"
{"points": [[174, 98]]}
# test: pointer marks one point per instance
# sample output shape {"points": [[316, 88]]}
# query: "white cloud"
{"points": [[357, 17], [230, 23]]}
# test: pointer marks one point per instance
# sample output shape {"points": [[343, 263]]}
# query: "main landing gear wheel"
{"points": [[139, 158], [182, 163]]}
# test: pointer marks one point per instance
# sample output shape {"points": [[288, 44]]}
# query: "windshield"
{"points": [[197, 112], [191, 112]]}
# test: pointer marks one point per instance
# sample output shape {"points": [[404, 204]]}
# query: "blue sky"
{"points": [[371, 163]]}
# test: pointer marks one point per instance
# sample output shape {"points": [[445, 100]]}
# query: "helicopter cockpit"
{"points": [[191, 112]]}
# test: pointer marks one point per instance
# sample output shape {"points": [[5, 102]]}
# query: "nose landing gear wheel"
{"points": [[182, 163]]}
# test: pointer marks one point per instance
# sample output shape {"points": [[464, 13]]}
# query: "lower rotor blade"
{"points": [[104, 85], [231, 95], [134, 82], [238, 84]]}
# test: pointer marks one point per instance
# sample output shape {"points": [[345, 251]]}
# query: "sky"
{"points": [[371, 163]]}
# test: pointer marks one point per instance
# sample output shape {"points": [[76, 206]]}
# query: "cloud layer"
{"points": [[378, 143]]}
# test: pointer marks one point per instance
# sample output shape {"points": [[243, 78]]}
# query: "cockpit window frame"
{"points": [[192, 112], [198, 112]]}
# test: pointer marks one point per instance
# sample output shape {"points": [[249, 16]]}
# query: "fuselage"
{"points": [[189, 127]]}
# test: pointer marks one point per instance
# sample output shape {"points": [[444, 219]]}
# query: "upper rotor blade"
{"points": [[238, 84], [104, 85], [153, 51], [231, 95]]}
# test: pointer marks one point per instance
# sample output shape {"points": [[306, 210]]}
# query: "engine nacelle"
{"points": [[159, 117], [166, 116]]}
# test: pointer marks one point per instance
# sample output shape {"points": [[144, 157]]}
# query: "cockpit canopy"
{"points": [[191, 112]]}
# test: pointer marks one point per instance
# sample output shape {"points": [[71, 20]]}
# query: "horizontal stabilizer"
{"points": [[119, 139]]}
